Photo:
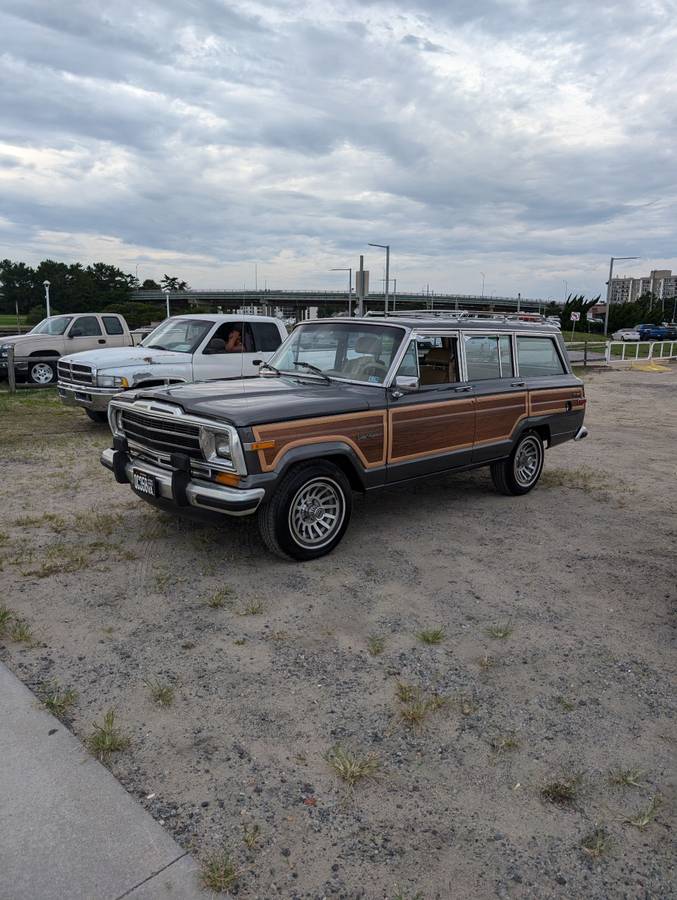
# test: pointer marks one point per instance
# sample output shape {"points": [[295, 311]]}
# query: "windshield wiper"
{"points": [[313, 368], [154, 347], [267, 365]]}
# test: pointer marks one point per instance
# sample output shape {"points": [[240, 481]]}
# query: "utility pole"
{"points": [[385, 247], [165, 291], [608, 289]]}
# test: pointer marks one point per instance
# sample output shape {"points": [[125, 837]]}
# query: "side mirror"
{"points": [[257, 362], [406, 383]]}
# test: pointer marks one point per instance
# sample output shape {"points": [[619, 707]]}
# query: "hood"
{"points": [[121, 357], [255, 401], [13, 338]]}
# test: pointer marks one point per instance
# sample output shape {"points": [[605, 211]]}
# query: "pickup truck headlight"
{"points": [[111, 381], [221, 445]]}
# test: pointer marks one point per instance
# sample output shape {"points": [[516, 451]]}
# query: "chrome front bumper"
{"points": [[581, 433], [87, 396], [200, 494]]}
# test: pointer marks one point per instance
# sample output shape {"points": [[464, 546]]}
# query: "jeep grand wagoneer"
{"points": [[350, 405]]}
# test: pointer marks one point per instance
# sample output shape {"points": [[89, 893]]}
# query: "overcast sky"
{"points": [[524, 139]]}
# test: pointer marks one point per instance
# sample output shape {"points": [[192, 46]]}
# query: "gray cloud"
{"points": [[526, 140]]}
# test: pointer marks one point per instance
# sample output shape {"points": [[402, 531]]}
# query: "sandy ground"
{"points": [[581, 572]]}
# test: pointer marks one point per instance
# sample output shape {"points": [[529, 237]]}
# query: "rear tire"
{"points": [[520, 472], [97, 416], [42, 373], [309, 512]]}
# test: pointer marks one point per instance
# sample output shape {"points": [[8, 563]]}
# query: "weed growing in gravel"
{"points": [[486, 662], [97, 523], [567, 705], [467, 706], [352, 768], [645, 815], [375, 644], [107, 738], [223, 597], [431, 636], [405, 692], [596, 842], [58, 700], [218, 871], [504, 743], [239, 642], [6, 615], [251, 835], [415, 704], [501, 632], [21, 632], [562, 791], [57, 523], [625, 777], [4, 538], [162, 581], [62, 559], [400, 895], [251, 608], [160, 693]]}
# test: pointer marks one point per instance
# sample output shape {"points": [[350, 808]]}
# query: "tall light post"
{"points": [[165, 291], [483, 277], [608, 289], [45, 284], [385, 247], [350, 285]]}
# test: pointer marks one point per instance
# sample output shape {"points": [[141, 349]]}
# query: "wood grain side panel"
{"points": [[545, 402], [365, 433], [426, 429], [498, 415]]}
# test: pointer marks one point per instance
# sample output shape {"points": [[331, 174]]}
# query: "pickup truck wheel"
{"points": [[309, 512], [520, 472], [96, 415], [41, 373]]}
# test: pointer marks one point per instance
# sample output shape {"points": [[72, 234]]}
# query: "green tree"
{"points": [[173, 283], [150, 285], [17, 286], [576, 303]]}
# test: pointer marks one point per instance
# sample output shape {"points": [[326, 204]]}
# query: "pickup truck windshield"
{"points": [[55, 325], [354, 351], [180, 335]]}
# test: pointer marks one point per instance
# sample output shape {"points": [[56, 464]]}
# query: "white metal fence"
{"points": [[605, 353]]}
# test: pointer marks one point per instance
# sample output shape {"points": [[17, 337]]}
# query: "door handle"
{"points": [[518, 384], [463, 390], [102, 341]]}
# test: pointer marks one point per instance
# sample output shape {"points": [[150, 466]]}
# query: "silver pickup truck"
{"points": [[181, 349]]}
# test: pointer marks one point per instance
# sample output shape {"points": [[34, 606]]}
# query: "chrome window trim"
{"points": [[498, 335], [552, 337], [417, 333]]}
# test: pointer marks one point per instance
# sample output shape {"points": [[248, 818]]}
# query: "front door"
{"points": [[220, 354], [85, 333], [432, 427]]}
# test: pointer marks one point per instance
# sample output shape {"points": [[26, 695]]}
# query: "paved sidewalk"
{"points": [[68, 829]]}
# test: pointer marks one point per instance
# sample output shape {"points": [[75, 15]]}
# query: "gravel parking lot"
{"points": [[528, 752]]}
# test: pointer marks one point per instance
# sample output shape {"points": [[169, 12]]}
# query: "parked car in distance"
{"points": [[657, 332], [554, 320], [350, 405], [53, 337], [180, 350], [626, 334]]}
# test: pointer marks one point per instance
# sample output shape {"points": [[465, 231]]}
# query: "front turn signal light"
{"points": [[227, 479]]}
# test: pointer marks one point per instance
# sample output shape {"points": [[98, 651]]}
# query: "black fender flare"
{"points": [[335, 451]]}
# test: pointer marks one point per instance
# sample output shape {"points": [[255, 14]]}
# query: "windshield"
{"points": [[180, 335], [55, 325], [354, 351]]}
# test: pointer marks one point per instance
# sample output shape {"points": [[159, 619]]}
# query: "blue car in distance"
{"points": [[657, 332]]}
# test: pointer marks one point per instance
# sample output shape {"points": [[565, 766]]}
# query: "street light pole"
{"points": [[165, 291], [45, 284], [608, 289], [385, 247], [350, 285], [483, 277]]}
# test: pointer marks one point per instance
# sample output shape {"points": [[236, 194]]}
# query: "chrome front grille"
{"points": [[159, 435], [75, 373]]}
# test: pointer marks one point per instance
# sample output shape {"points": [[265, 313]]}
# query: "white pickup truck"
{"points": [[57, 335], [181, 349]]}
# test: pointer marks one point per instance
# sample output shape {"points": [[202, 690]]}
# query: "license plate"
{"points": [[144, 484]]}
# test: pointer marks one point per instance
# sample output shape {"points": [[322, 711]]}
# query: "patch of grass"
{"points": [[218, 871], [486, 662], [414, 714], [625, 777], [352, 768], [431, 636], [100, 523], [162, 581], [645, 815], [583, 479], [62, 559], [400, 894], [251, 608], [416, 704], [596, 843], [405, 692], [56, 522], [107, 738], [160, 693], [6, 616], [4, 538], [239, 642], [21, 632], [376, 644], [57, 700], [500, 632], [223, 597], [567, 705], [468, 706], [562, 791], [251, 834], [504, 743]]}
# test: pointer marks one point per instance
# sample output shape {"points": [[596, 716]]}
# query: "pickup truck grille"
{"points": [[161, 436], [74, 373]]}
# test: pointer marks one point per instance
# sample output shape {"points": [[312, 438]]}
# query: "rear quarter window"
{"points": [[266, 336], [112, 325], [538, 356]]}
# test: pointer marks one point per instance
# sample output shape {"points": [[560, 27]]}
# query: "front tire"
{"points": [[42, 373], [520, 472], [309, 512], [97, 416]]}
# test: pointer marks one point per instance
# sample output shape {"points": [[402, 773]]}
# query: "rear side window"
{"points": [[85, 326], [488, 356], [538, 356], [266, 337], [112, 325]]}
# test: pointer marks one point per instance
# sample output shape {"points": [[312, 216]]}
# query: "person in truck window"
{"points": [[234, 342]]}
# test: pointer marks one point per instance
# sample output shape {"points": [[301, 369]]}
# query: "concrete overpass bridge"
{"points": [[298, 303]]}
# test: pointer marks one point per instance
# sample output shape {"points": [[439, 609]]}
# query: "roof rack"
{"points": [[536, 318]]}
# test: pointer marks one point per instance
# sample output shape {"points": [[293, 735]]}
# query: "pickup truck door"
{"points": [[85, 333], [114, 333], [431, 428], [220, 353], [261, 340]]}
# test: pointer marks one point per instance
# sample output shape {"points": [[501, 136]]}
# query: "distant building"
{"points": [[660, 282]]}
